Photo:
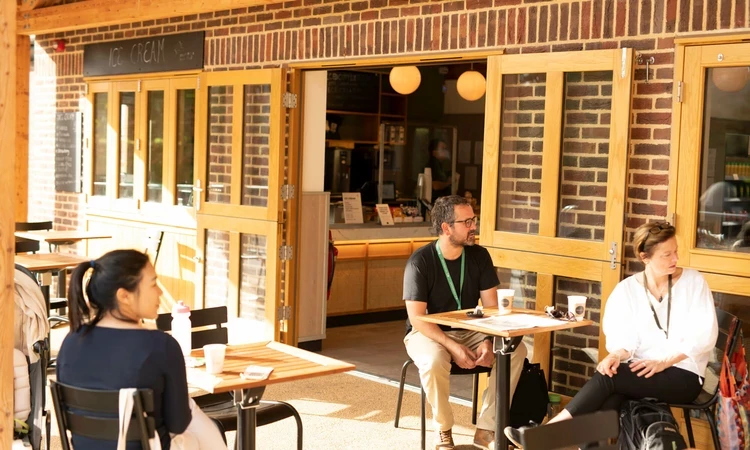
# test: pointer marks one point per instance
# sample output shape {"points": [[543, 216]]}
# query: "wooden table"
{"points": [[289, 364], [60, 237], [505, 343], [46, 262]]}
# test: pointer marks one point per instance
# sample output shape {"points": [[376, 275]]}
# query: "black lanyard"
{"points": [[669, 303], [456, 296]]}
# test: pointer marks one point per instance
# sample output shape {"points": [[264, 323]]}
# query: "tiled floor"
{"points": [[378, 349]]}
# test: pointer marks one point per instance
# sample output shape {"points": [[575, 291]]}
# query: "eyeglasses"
{"points": [[468, 222], [660, 227], [560, 315]]}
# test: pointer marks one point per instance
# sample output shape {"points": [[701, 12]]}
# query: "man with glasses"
{"points": [[451, 274]]}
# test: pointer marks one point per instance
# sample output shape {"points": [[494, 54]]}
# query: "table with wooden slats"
{"points": [[289, 364], [46, 262], [505, 343], [61, 237]]}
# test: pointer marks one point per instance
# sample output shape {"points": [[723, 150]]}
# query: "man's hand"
{"points": [[608, 366], [463, 356], [485, 355], [648, 367]]}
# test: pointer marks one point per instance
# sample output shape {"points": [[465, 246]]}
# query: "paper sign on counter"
{"points": [[384, 212], [352, 207]]}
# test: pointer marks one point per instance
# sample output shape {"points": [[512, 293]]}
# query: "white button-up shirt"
{"points": [[629, 323]]}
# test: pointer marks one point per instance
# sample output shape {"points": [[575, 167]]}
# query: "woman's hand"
{"points": [[608, 366], [648, 367]]}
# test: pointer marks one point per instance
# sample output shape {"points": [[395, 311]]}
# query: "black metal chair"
{"points": [[94, 414], [26, 246], [597, 428], [729, 329], [455, 370], [152, 242], [220, 407]]}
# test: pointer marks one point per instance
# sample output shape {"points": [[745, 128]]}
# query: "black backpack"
{"points": [[531, 398], [647, 425]]}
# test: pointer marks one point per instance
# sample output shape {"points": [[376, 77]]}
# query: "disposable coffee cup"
{"points": [[577, 305], [214, 354], [505, 299]]}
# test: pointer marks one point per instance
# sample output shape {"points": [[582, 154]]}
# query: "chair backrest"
{"points": [[202, 319], [33, 226], [152, 242], [26, 246], [729, 330], [586, 429], [94, 414]]}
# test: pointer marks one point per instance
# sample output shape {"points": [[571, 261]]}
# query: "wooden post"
{"points": [[7, 149], [23, 64]]}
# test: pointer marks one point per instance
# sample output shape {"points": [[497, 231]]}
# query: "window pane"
{"points": [[216, 287], [255, 144], [127, 143], [524, 283], [738, 306], [101, 100], [585, 155], [521, 143], [220, 143], [155, 147], [723, 219], [185, 146], [253, 277], [575, 352]]}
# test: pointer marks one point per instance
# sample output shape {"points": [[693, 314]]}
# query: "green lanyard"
{"points": [[448, 275]]}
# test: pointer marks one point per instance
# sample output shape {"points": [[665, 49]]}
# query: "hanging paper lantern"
{"points": [[730, 79], [405, 79], [471, 85]]}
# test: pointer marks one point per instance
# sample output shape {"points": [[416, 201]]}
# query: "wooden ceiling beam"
{"points": [[97, 13], [29, 5]]}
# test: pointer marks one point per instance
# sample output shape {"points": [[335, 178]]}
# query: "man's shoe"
{"points": [[484, 439], [514, 435], [444, 440]]}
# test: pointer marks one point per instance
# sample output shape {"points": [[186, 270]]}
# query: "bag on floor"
{"points": [[734, 401], [647, 425], [531, 398]]}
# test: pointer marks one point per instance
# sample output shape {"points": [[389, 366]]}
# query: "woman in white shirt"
{"points": [[660, 326]]}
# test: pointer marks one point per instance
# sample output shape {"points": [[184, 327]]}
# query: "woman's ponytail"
{"points": [[79, 311]]}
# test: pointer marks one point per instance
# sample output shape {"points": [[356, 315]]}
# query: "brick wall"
{"points": [[217, 268], [521, 144], [253, 277], [281, 32], [220, 143], [256, 141]]}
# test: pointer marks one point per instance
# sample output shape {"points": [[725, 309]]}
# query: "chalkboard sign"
{"points": [[68, 152], [153, 54], [353, 91]]}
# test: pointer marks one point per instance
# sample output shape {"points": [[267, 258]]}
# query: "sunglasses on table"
{"points": [[560, 315]]}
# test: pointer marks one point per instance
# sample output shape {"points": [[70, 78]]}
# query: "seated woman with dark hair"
{"points": [[108, 349], [660, 326]]}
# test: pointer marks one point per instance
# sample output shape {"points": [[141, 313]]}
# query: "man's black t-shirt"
{"points": [[424, 279]]}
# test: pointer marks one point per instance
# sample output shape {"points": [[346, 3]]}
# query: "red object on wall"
{"points": [[59, 45]]}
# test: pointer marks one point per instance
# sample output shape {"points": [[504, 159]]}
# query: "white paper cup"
{"points": [[214, 354], [577, 305], [505, 299]]}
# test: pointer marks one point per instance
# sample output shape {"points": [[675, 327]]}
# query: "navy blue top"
{"points": [[112, 358]]}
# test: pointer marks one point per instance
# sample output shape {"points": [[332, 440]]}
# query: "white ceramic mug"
{"points": [[505, 299], [214, 354], [577, 305]]}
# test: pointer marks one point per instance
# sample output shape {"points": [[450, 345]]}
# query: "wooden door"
{"points": [[554, 174], [239, 167]]}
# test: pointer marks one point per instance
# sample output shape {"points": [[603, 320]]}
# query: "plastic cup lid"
{"points": [[180, 308]]}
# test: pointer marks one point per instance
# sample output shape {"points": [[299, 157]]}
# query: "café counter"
{"points": [[369, 272]]}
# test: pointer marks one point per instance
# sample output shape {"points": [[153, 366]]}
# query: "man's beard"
{"points": [[469, 240]]}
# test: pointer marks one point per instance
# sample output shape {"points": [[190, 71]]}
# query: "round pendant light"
{"points": [[730, 79], [471, 85], [405, 79]]}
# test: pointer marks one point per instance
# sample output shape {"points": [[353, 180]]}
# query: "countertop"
{"points": [[375, 231]]}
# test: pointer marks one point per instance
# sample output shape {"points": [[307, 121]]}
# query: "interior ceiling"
{"points": [[451, 71]]}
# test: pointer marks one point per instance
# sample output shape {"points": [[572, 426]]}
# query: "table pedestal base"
{"points": [[247, 400], [503, 348]]}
